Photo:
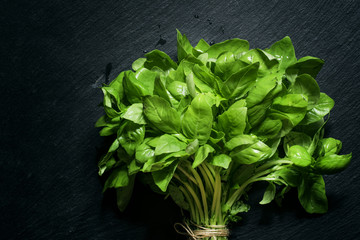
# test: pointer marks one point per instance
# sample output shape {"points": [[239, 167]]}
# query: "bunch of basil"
{"points": [[223, 117]]}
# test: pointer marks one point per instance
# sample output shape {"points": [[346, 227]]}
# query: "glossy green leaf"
{"points": [[329, 146], [157, 58], [299, 156], [134, 89], [284, 52], [269, 194], [221, 160], [332, 163], [311, 193], [123, 194], [183, 46], [290, 175], [144, 153], [251, 154], [135, 113], [296, 138], [232, 45], [268, 128], [192, 147], [322, 108], [239, 83], [168, 144], [233, 121], [290, 107], [131, 136], [306, 85], [159, 112], [202, 153], [178, 89], [118, 178], [197, 120], [240, 140], [163, 177], [308, 65]]}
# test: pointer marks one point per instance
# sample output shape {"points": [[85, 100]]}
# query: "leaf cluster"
{"points": [[245, 114]]}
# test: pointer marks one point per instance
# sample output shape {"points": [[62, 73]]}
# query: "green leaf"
{"points": [[192, 147], [306, 85], [299, 156], [268, 65], [197, 120], [123, 194], [200, 48], [135, 113], [296, 138], [144, 153], [203, 75], [159, 112], [118, 178], [269, 194], [138, 64], [290, 175], [240, 140], [251, 154], [157, 58], [330, 146], [309, 65], [191, 84], [178, 89], [322, 108], [163, 177], [311, 193], [183, 46], [131, 136], [168, 144], [239, 83], [135, 89], [178, 197], [291, 107], [284, 52], [332, 163], [268, 128], [221, 160], [202, 153], [233, 121], [232, 45]]}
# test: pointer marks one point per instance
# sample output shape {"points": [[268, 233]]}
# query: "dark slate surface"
{"points": [[53, 54]]}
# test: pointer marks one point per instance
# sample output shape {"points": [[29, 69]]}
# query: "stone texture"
{"points": [[55, 53]]}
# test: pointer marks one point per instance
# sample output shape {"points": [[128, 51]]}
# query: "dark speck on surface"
{"points": [[196, 16], [161, 41], [209, 21], [211, 43]]}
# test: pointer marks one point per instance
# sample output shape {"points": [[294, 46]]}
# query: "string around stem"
{"points": [[205, 231]]}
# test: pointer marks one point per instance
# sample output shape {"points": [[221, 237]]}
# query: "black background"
{"points": [[54, 55]]}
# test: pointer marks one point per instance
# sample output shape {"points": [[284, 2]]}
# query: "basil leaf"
{"points": [[159, 112], [168, 144], [239, 83], [221, 160], [202, 153], [118, 178], [163, 177], [332, 163], [299, 156], [135, 113], [269, 194], [197, 120], [311, 194]]}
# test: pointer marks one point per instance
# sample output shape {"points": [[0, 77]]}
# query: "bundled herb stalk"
{"points": [[204, 129]]}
